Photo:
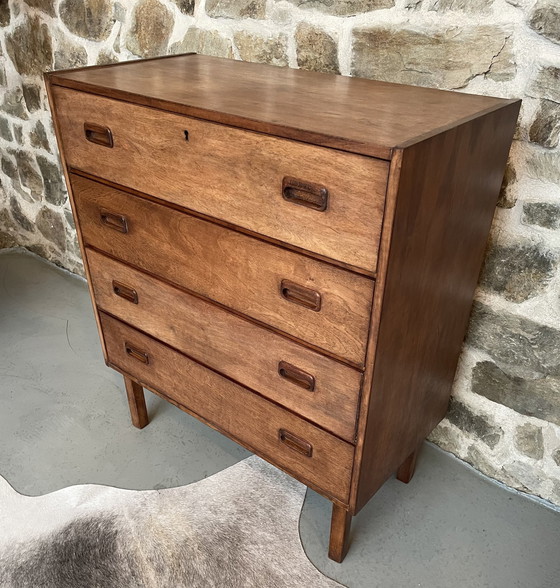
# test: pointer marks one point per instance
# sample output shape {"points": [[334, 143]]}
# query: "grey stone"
{"points": [[68, 54], [538, 398], [545, 129], [556, 456], [543, 214], [446, 438], [70, 220], [463, 418], [236, 8], [545, 19], [8, 167], [18, 134], [32, 97], [185, 6], [473, 6], [546, 84], [508, 193], [4, 13], [518, 272], [5, 131], [2, 75], [19, 217], [442, 57], [30, 47], [152, 24], [55, 192], [14, 104], [529, 441], [544, 167], [8, 231], [343, 7], [51, 225], [518, 345], [47, 6], [316, 50], [262, 50], [91, 19], [105, 57], [38, 137], [203, 42], [28, 174]]}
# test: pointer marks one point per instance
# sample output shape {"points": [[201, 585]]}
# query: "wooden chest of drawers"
{"points": [[289, 256]]}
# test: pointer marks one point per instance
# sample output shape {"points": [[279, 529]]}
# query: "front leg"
{"points": [[136, 403], [340, 533], [408, 466]]}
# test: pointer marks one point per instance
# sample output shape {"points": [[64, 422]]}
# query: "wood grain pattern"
{"points": [[447, 192], [237, 271], [243, 415], [354, 114], [232, 174], [136, 403], [339, 540], [231, 345]]}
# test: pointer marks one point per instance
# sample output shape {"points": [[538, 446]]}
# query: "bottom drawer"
{"points": [[312, 455]]}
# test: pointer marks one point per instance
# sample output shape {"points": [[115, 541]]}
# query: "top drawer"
{"points": [[275, 187]]}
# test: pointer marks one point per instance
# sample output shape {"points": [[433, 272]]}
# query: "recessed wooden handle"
{"points": [[98, 134], [125, 292], [303, 193], [296, 443], [136, 353], [117, 222], [301, 295], [296, 376]]}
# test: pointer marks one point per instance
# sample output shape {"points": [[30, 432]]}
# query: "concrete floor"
{"points": [[64, 420]]}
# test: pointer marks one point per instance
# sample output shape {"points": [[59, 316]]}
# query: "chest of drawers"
{"points": [[289, 256]]}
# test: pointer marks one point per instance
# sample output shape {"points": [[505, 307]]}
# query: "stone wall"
{"points": [[505, 414]]}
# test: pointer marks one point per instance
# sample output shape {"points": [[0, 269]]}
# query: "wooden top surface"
{"points": [[353, 114]]}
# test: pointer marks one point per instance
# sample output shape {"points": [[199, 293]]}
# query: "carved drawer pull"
{"points": [[301, 295], [125, 292], [296, 376], [136, 353], [98, 134], [118, 222], [295, 443], [307, 194]]}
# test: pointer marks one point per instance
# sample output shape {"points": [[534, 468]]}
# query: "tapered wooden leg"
{"points": [[340, 533], [406, 470], [136, 403]]}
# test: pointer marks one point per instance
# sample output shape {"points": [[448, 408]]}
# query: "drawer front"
{"points": [[316, 387], [266, 282], [238, 176], [293, 444]]}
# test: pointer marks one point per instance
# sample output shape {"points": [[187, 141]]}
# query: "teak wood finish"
{"points": [[289, 256]]}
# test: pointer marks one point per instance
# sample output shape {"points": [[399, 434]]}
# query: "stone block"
{"points": [[546, 84], [542, 214], [14, 103], [508, 193], [30, 47], [68, 54], [343, 7], [518, 272], [51, 226], [259, 49], [185, 6], [55, 190], [20, 217], [32, 97], [539, 398], [545, 129], [38, 137], [5, 130], [545, 19], [529, 441], [28, 174], [46, 6], [152, 24], [316, 50], [236, 8], [439, 57], [476, 424], [90, 19], [470, 6]]}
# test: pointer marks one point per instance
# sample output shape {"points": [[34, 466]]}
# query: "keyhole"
{"points": [[186, 135]]}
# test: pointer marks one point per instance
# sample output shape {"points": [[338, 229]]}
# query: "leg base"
{"points": [[340, 533], [136, 403], [407, 468]]}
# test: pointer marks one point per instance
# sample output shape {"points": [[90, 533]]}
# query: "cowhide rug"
{"points": [[238, 528]]}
